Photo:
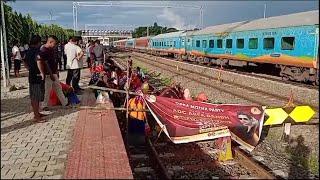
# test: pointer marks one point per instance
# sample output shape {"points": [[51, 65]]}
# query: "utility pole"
{"points": [[4, 51], [2, 61], [147, 31], [264, 11], [50, 15]]}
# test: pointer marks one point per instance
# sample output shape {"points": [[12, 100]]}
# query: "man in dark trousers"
{"points": [[74, 63]]}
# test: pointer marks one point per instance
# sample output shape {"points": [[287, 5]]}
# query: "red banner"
{"points": [[186, 121]]}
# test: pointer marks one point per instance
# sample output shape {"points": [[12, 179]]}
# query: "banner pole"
{"points": [[158, 135], [127, 100], [287, 126]]}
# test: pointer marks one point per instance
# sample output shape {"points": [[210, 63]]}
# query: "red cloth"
{"points": [[97, 69], [54, 100]]}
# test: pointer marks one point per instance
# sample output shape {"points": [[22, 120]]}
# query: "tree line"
{"points": [[153, 30], [22, 27]]}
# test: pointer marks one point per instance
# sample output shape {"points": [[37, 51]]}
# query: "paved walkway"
{"points": [[30, 150], [98, 151]]}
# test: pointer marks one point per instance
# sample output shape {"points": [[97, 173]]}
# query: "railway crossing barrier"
{"points": [[289, 112]]}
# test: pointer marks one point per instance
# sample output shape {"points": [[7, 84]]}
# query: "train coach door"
{"points": [[189, 44]]}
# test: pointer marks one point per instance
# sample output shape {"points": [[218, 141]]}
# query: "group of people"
{"points": [[18, 51], [42, 64]]}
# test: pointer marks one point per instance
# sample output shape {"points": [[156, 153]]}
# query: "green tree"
{"points": [[153, 30], [22, 27]]}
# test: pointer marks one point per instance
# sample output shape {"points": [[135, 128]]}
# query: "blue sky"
{"points": [[215, 12]]}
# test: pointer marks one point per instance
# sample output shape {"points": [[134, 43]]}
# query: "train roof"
{"points": [[144, 37], [121, 40], [168, 35], [290, 20], [218, 28]]}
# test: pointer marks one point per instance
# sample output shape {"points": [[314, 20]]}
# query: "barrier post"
{"points": [[219, 73], [287, 126]]}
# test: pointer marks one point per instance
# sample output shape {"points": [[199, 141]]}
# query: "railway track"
{"points": [[249, 94], [275, 79], [248, 160], [199, 161], [192, 160], [161, 159]]}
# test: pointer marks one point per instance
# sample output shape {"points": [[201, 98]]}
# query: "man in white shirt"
{"points": [[16, 56], [74, 63]]}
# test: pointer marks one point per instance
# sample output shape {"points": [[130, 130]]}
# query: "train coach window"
{"points": [[219, 43], [253, 43], [211, 43], [240, 43], [174, 43], [287, 43], [229, 43], [198, 43], [204, 43], [268, 43]]}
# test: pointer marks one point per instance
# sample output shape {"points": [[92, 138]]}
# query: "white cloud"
{"points": [[176, 20]]}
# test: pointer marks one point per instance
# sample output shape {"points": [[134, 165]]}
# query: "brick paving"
{"points": [[30, 150], [98, 150]]}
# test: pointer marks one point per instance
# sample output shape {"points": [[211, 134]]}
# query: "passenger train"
{"points": [[288, 44]]}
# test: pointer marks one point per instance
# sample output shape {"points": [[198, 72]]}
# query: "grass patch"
{"points": [[314, 164], [166, 81]]}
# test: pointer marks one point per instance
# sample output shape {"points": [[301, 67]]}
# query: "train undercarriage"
{"points": [[287, 73]]}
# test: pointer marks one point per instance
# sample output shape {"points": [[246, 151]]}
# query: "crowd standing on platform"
{"points": [[43, 62]]}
